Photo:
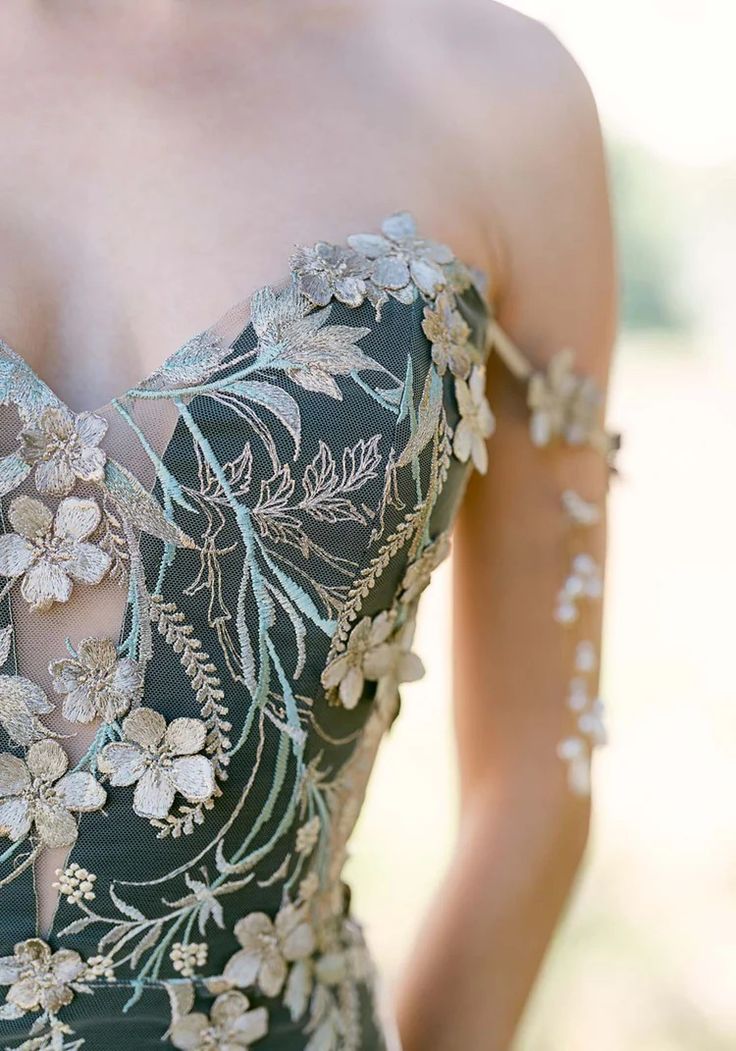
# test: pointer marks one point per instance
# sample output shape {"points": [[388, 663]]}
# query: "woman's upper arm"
{"points": [[547, 194]]}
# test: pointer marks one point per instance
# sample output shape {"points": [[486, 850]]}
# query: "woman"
{"points": [[211, 574]]}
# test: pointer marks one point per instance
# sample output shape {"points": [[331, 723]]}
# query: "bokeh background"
{"points": [[645, 959]]}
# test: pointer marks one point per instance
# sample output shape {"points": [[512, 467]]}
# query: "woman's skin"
{"points": [[160, 160]]}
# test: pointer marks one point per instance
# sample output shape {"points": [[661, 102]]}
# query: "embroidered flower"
{"points": [[476, 420], [21, 702], [39, 792], [39, 980], [419, 572], [328, 969], [308, 350], [328, 270], [268, 946], [64, 448], [160, 761], [562, 402], [187, 958], [307, 835], [373, 651], [50, 551], [96, 682], [231, 1026], [403, 262], [449, 335], [76, 884]]}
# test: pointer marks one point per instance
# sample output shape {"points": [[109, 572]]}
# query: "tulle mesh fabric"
{"points": [[269, 602]]}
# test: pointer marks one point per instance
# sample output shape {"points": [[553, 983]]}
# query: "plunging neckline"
{"points": [[205, 335]]}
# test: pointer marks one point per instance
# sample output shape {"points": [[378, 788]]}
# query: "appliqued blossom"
{"points": [[563, 403], [584, 583], [419, 573], [328, 270], [50, 551], [268, 947], [374, 650], [476, 420], [38, 793], [402, 261], [160, 761], [39, 980], [231, 1026], [21, 702], [449, 334], [96, 683], [64, 448]]}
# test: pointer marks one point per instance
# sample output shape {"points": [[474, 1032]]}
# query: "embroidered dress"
{"points": [[230, 556]]}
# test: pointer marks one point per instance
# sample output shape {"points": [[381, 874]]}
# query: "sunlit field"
{"points": [[645, 958]]}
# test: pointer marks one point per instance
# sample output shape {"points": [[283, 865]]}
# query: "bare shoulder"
{"points": [[534, 132]]}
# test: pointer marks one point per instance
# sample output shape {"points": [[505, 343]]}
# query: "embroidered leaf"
{"points": [[146, 943], [428, 416], [6, 639], [278, 401], [127, 910], [181, 998], [326, 490], [140, 507], [20, 386]]}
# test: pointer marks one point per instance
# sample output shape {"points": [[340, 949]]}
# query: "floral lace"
{"points": [[272, 574]]}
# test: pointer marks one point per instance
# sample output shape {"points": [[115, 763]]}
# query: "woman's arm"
{"points": [[521, 832]]}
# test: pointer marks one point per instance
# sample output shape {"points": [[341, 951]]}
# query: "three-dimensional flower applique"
{"points": [[39, 980], [64, 448], [328, 969], [39, 793], [449, 334], [231, 1026], [419, 572], [160, 761], [268, 947], [328, 270], [476, 420], [402, 261], [50, 551], [96, 682], [374, 650], [562, 402]]}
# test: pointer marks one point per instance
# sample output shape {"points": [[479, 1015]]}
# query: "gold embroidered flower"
{"points": [[402, 260], [40, 980], [374, 650], [51, 551], [449, 334], [268, 947], [21, 702], [476, 420], [96, 682], [563, 403], [64, 448], [160, 761], [419, 572], [328, 270], [38, 792], [231, 1026]]}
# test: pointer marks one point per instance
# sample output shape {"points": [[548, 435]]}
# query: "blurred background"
{"points": [[645, 959]]}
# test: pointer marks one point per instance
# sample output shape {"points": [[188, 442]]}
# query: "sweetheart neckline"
{"points": [[240, 306]]}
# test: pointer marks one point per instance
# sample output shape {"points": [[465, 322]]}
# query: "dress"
{"points": [[274, 502]]}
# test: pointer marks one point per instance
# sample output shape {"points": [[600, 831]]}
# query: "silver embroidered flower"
{"points": [[21, 702], [563, 403], [449, 334], [160, 761], [374, 650], [419, 572], [96, 682], [39, 980], [64, 448], [328, 270], [268, 947], [476, 420], [51, 551], [303, 345], [38, 792], [402, 261], [230, 1026]]}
